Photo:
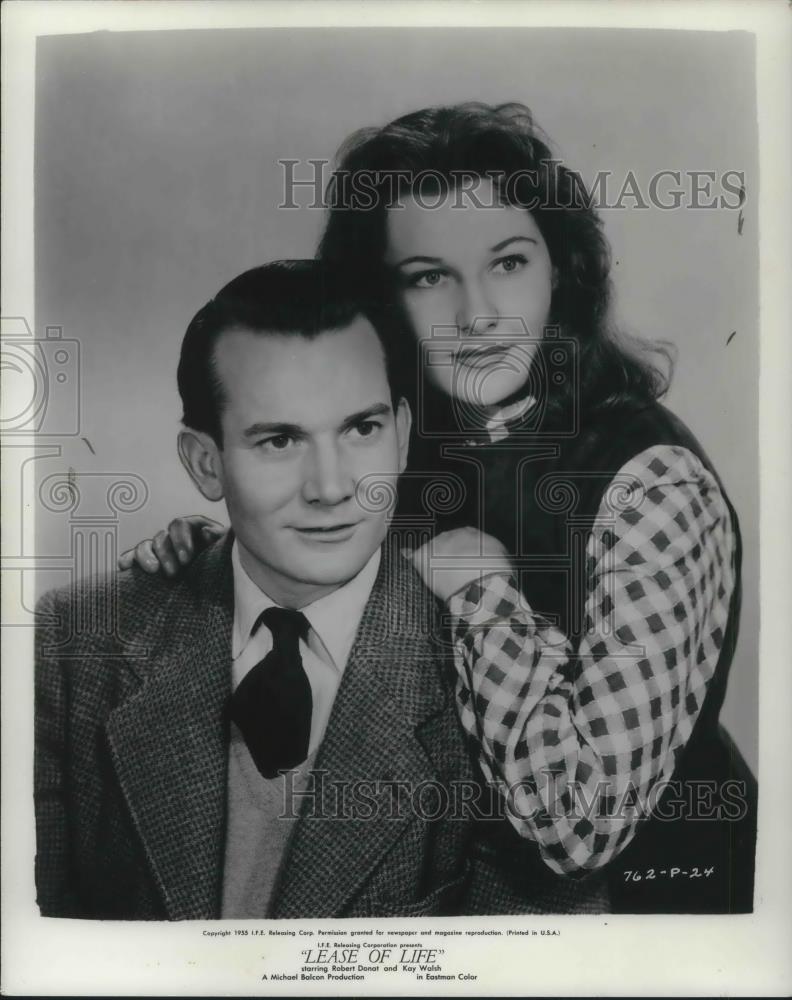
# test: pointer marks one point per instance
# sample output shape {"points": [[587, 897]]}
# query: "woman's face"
{"points": [[476, 283]]}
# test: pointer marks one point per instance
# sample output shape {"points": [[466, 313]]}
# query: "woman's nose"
{"points": [[476, 310]]}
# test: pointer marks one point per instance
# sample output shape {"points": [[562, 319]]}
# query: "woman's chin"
{"points": [[486, 386], [490, 394]]}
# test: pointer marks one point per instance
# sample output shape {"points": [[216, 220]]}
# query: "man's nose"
{"points": [[476, 310], [328, 480]]}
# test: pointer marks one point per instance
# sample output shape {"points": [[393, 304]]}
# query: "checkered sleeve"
{"points": [[576, 738]]}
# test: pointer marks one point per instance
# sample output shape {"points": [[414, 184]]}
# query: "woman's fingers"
{"points": [[126, 559], [452, 560], [170, 550], [213, 528], [200, 522], [190, 535], [143, 555], [211, 531], [165, 553], [180, 532]]}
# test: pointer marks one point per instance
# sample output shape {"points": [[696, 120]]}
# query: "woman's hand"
{"points": [[454, 559], [169, 550]]}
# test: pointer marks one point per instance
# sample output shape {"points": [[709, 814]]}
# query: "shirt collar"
{"points": [[334, 618], [496, 426]]}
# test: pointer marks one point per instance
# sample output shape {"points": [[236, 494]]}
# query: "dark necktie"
{"points": [[272, 704]]}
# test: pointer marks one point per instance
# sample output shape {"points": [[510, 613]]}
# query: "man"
{"points": [[285, 742]]}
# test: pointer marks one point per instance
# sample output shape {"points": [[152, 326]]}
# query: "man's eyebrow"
{"points": [[255, 430], [513, 239], [295, 430], [377, 410]]}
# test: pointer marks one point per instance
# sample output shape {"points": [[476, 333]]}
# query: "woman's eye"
{"points": [[508, 265], [426, 279]]}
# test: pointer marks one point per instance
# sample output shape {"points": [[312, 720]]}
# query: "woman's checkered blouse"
{"points": [[576, 739]]}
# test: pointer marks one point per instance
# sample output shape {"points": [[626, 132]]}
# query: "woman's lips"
{"points": [[479, 357]]}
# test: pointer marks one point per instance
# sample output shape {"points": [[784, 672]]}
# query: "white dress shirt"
{"points": [[261, 811], [334, 621]]}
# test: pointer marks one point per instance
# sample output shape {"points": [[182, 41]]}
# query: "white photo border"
{"points": [[610, 955]]}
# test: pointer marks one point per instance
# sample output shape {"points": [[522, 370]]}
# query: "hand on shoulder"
{"points": [[170, 551], [453, 559]]}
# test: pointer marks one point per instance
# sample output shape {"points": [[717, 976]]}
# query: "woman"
{"points": [[594, 636]]}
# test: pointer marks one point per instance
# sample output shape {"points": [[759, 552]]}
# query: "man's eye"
{"points": [[508, 265], [426, 279], [280, 442], [366, 428]]}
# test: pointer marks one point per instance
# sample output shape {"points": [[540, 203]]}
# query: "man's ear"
{"points": [[403, 425], [201, 458]]}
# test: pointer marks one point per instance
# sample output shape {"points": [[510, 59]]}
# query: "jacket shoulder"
{"points": [[102, 612], [409, 600], [89, 607]]}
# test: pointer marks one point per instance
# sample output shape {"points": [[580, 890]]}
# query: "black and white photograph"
{"points": [[385, 441]]}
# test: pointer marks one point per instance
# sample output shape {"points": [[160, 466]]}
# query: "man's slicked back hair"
{"points": [[287, 297]]}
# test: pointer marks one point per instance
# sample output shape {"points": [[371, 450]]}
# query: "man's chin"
{"points": [[333, 571], [332, 563]]}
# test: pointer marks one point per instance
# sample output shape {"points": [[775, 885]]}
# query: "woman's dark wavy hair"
{"points": [[438, 147]]}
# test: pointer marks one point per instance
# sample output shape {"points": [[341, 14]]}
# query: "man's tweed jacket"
{"points": [[131, 756]]}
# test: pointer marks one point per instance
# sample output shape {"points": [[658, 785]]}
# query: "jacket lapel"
{"points": [[377, 733], [169, 746]]}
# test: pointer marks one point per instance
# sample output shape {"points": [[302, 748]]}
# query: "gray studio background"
{"points": [[157, 181]]}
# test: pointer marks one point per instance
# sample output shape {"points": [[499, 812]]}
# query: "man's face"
{"points": [[304, 422]]}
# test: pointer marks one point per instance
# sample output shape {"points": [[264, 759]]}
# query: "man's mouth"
{"points": [[329, 532]]}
